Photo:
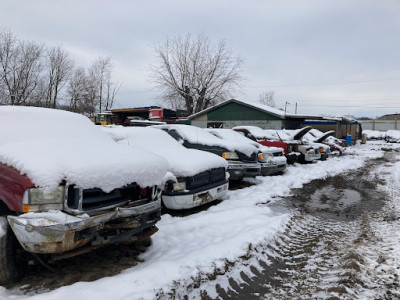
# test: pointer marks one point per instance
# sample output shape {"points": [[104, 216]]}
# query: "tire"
{"points": [[11, 269]]}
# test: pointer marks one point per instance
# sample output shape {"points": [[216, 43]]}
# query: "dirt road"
{"points": [[340, 244]]}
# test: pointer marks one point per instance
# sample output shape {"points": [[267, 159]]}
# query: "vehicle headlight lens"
{"points": [[35, 199], [264, 156], [230, 155], [179, 186], [38, 196]]}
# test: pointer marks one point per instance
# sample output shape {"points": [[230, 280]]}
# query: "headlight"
{"points": [[179, 186], [35, 199], [230, 155], [264, 156]]}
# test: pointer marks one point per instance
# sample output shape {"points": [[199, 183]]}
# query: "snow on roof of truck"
{"points": [[182, 161], [255, 131], [50, 146], [196, 135]]}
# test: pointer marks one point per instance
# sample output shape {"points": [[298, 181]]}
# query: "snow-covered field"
{"points": [[199, 243]]}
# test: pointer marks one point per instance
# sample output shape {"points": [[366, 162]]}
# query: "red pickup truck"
{"points": [[67, 188]]}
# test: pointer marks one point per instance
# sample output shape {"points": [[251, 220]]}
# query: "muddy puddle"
{"points": [[341, 197]]}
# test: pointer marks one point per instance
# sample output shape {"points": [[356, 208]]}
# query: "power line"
{"points": [[323, 83]]}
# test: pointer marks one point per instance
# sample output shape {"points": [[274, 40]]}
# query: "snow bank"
{"points": [[50, 146], [374, 134], [182, 161], [196, 135], [393, 134]]}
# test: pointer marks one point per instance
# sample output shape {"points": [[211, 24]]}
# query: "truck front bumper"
{"points": [[58, 232], [239, 170], [190, 199], [268, 169], [310, 157]]}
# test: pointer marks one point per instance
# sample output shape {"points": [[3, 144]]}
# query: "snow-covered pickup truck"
{"points": [[272, 159], [198, 177], [242, 158], [67, 188]]}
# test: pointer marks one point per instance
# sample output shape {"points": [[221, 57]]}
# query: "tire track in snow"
{"points": [[327, 251]]}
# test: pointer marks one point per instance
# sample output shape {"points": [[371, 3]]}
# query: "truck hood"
{"points": [[182, 162], [301, 132], [324, 136], [50, 146]]}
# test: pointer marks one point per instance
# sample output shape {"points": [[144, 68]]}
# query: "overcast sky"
{"points": [[329, 57]]}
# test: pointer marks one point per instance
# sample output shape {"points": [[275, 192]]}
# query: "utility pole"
{"points": [[296, 109], [286, 103]]}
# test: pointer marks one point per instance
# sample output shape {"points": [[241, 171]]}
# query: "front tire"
{"points": [[11, 269]]}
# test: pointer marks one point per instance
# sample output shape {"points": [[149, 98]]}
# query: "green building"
{"points": [[234, 113]]}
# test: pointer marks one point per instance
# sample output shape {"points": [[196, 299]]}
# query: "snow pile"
{"points": [[393, 135], [50, 146], [374, 134], [196, 135], [182, 161]]}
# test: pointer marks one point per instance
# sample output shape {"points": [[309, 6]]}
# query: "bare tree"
{"points": [[59, 67], [267, 98], [81, 93], [195, 72], [20, 63], [106, 89]]}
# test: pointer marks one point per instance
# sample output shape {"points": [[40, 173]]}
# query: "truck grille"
{"points": [[96, 199], [207, 177], [277, 154], [244, 158]]}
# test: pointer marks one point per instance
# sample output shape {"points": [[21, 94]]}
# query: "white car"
{"points": [[197, 177]]}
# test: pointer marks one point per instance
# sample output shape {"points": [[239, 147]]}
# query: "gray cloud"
{"points": [[286, 44]]}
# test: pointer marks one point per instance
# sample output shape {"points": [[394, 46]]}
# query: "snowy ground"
{"points": [[189, 253]]}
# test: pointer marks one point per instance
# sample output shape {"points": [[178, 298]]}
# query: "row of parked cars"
{"points": [[68, 186]]}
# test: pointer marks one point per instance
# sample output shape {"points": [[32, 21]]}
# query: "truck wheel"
{"points": [[11, 269]]}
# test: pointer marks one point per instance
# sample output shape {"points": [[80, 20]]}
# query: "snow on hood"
{"points": [[231, 135], [196, 135], [255, 131], [395, 134], [182, 161], [50, 146]]}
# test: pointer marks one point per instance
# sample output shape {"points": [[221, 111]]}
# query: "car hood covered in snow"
{"points": [[182, 161], [51, 146]]}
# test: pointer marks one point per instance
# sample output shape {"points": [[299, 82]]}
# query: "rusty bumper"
{"points": [[58, 232]]}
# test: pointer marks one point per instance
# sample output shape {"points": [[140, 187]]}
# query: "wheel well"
{"points": [[4, 210]]}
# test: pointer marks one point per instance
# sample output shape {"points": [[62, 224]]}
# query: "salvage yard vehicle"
{"points": [[272, 159], [242, 158], [199, 177], [308, 152], [270, 139], [67, 188], [316, 136]]}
